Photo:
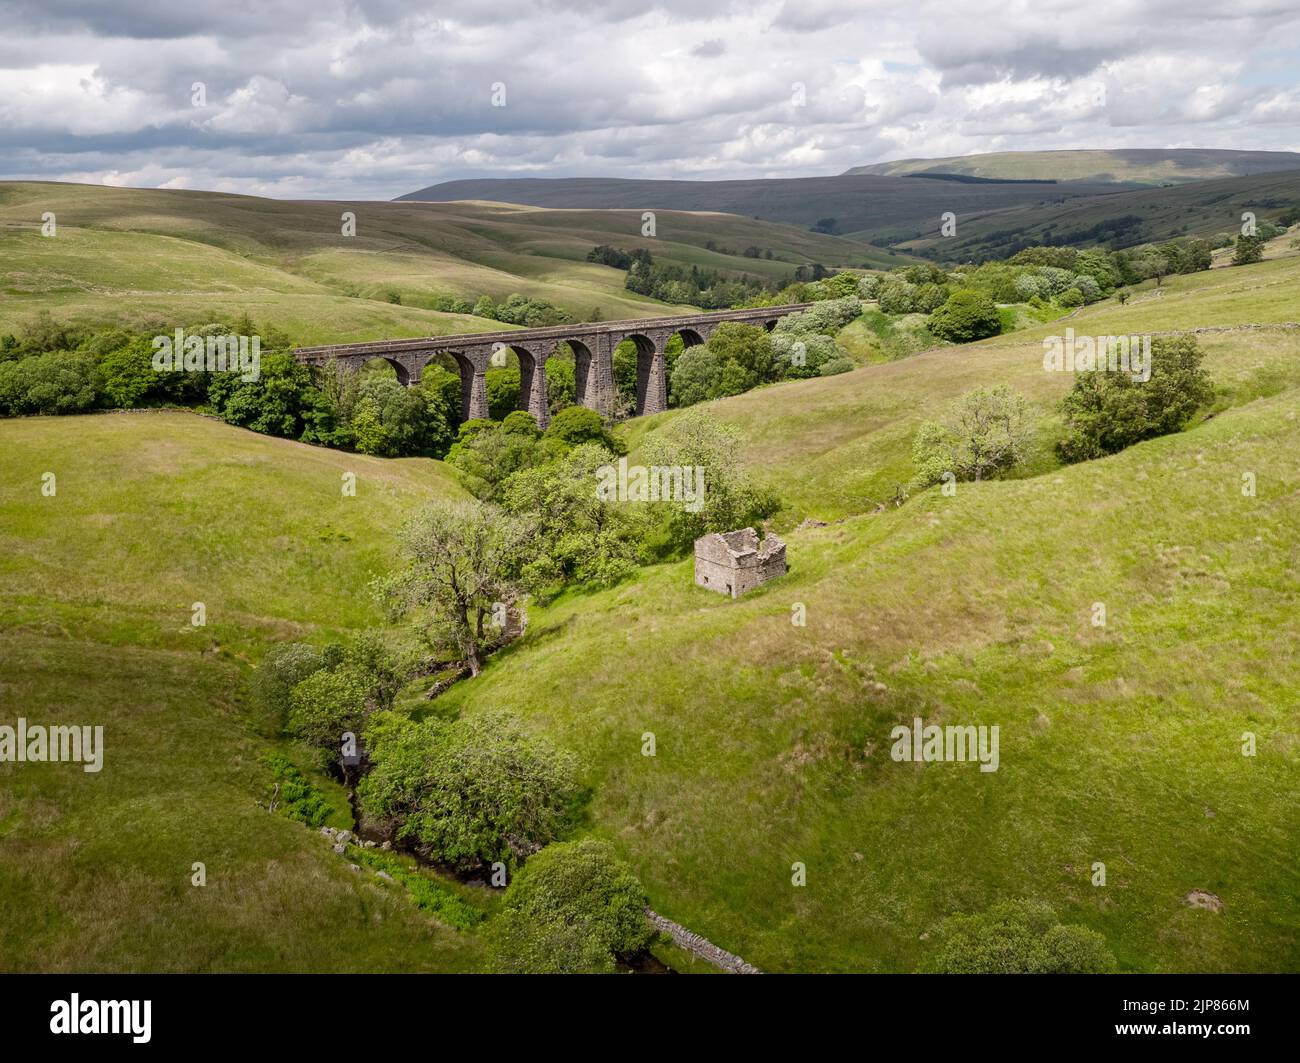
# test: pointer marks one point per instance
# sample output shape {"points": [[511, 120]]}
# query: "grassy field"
{"points": [[1202, 208], [879, 210], [837, 446], [152, 513], [1119, 744], [143, 256]]}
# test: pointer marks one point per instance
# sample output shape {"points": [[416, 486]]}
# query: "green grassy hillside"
{"points": [[139, 256], [1119, 744], [1204, 208], [152, 513], [1153, 166], [836, 446]]}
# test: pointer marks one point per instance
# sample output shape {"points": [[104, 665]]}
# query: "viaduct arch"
{"points": [[592, 343]]}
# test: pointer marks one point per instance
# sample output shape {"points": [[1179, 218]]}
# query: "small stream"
{"points": [[643, 962]]}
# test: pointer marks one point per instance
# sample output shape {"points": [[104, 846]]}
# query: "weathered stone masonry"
{"points": [[593, 346], [732, 563]]}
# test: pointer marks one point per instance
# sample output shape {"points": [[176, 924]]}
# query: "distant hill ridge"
{"points": [[871, 209], [1151, 166]]}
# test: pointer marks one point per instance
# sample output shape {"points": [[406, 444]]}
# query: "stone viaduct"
{"points": [[593, 348]]}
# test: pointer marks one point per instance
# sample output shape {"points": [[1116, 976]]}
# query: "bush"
{"points": [[561, 386], [129, 375], [576, 534], [967, 315], [1018, 937], [745, 354], [576, 425], [1249, 249], [574, 907], [57, 382], [502, 391], [486, 454], [730, 500], [929, 297], [1087, 287], [985, 431], [1107, 411], [522, 423], [839, 364], [803, 353], [276, 403], [391, 420], [1071, 298], [285, 666], [697, 377], [327, 704], [471, 792], [1030, 286], [895, 295]]}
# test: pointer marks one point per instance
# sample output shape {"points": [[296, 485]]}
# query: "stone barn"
{"points": [[734, 562]]}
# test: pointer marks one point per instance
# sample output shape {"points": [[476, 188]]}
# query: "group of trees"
{"points": [[738, 357], [991, 430], [710, 289], [1041, 276], [518, 309], [53, 369], [467, 793], [545, 483], [1017, 937]]}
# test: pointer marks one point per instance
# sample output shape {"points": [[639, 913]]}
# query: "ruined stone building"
{"points": [[734, 562]]}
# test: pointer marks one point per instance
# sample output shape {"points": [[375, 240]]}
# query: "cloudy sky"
{"points": [[375, 98]]}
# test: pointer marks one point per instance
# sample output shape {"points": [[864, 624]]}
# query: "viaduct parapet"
{"points": [[592, 344]]}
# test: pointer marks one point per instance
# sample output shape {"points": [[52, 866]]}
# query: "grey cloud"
{"points": [[297, 90]]}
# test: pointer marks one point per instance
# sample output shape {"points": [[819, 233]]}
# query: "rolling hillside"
{"points": [[139, 255], [154, 512], [856, 431], [1119, 744], [877, 210], [1122, 219], [1152, 166]]}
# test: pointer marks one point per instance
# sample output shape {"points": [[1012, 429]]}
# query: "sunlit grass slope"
{"points": [[151, 514], [840, 445], [140, 255], [1120, 745]]}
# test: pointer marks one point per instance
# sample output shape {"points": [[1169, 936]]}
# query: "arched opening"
{"points": [[770, 325], [387, 367], [690, 338], [569, 375], [532, 385], [651, 386], [453, 373], [465, 369]]}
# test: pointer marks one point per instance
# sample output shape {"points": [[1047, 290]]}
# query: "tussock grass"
{"points": [[154, 512]]}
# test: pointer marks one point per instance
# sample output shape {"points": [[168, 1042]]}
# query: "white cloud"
{"points": [[374, 98]]}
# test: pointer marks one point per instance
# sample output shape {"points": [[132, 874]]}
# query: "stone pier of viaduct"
{"points": [[593, 349]]}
